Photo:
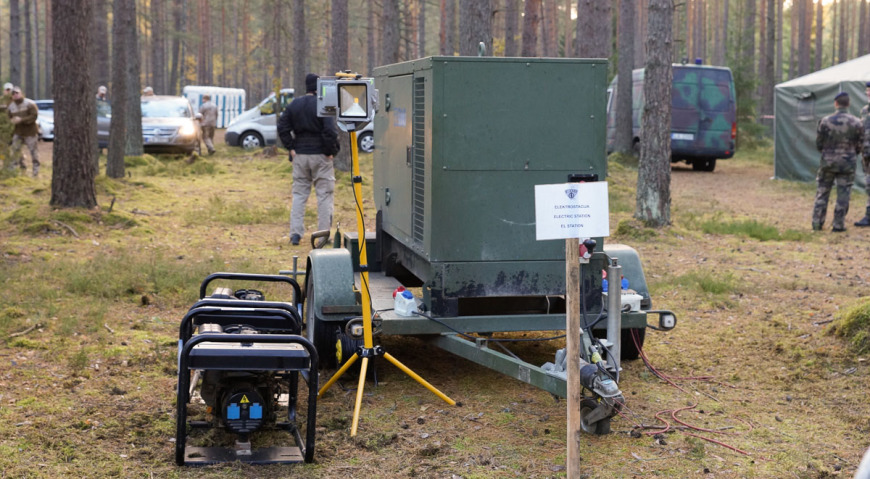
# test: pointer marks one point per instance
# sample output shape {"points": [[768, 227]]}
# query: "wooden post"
{"points": [[573, 334]]}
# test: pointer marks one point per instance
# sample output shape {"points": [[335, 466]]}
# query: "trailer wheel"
{"points": [[628, 350], [599, 428], [322, 334]]}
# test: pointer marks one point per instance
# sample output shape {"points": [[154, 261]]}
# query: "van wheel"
{"points": [[704, 165], [366, 142], [251, 140]]}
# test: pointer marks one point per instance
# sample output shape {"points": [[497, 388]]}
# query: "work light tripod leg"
{"points": [[419, 379], [359, 394], [338, 374]]}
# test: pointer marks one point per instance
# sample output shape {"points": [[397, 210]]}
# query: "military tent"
{"points": [[799, 104]]}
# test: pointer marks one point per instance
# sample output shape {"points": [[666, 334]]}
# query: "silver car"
{"points": [[169, 125], [45, 119]]}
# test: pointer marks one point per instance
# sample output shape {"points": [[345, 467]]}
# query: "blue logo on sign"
{"points": [[571, 192]]}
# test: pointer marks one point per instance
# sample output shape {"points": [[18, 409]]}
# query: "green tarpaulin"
{"points": [[799, 104]]}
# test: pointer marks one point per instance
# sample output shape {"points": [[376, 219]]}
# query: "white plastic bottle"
{"points": [[405, 305]]}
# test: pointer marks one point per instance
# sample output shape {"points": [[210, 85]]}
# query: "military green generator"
{"points": [[461, 143]]}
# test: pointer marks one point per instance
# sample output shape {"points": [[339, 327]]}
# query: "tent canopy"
{"points": [[800, 103]]}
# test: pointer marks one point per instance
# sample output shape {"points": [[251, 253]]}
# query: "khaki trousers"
{"points": [[18, 157], [308, 171]]}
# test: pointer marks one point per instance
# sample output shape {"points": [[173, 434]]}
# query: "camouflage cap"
{"points": [[842, 94], [7, 86]]}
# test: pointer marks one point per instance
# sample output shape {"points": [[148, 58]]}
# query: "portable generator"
{"points": [[241, 357]]}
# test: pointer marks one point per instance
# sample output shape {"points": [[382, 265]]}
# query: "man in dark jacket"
{"points": [[312, 142]]}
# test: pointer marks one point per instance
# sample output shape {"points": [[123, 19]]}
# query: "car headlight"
{"points": [[187, 129]]}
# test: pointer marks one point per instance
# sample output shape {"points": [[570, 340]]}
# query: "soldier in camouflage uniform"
{"points": [[865, 119], [840, 138], [5, 126]]}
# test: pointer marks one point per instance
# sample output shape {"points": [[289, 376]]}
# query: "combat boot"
{"points": [[35, 171], [865, 221]]}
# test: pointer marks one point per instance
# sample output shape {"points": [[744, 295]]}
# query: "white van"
{"points": [[257, 127]]}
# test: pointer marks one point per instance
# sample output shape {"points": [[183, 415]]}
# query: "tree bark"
{"points": [[654, 169], [390, 29], [625, 64], [842, 54], [531, 19], [158, 47], [594, 29], [125, 133], [475, 26], [803, 37], [511, 21], [15, 42], [300, 47], [100, 44], [820, 28], [49, 45], [779, 55], [338, 62], [72, 178], [371, 59], [176, 75], [769, 52], [421, 28], [29, 83], [550, 29]]}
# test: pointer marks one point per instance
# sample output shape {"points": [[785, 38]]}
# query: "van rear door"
{"points": [[685, 112]]}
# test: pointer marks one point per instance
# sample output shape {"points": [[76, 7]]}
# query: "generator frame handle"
{"points": [[184, 385], [185, 330], [272, 278], [252, 304]]}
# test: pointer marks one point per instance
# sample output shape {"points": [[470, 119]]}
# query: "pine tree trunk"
{"points": [[29, 84], [569, 28], [300, 47], [158, 46], [639, 38], [654, 169], [625, 63], [594, 31], [421, 28], [338, 62], [803, 38], [475, 26], [371, 59], [49, 45], [777, 75], [841, 50], [820, 27], [769, 53], [15, 42], [390, 29], [511, 20], [550, 48], [531, 19], [72, 179], [176, 81]]}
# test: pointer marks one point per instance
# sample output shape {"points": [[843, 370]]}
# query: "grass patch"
{"points": [[853, 324], [237, 213], [747, 228]]}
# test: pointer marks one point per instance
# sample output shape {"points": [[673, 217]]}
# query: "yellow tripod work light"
{"points": [[352, 100]]}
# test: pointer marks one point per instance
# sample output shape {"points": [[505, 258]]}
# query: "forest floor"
{"points": [[92, 301]]}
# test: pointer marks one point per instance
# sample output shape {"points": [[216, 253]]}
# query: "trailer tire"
{"points": [[628, 350], [321, 334]]}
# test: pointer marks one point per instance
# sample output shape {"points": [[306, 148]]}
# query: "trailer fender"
{"points": [[632, 270], [329, 284]]}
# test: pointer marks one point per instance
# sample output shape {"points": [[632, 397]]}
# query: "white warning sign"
{"points": [[572, 210]]}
